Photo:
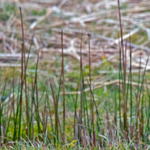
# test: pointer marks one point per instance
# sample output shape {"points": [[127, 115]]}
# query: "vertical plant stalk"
{"points": [[57, 122], [115, 118], [36, 90], [55, 111], [22, 73], [120, 73], [138, 99], [81, 95], [44, 122], [21, 93], [16, 115], [28, 125], [91, 98], [27, 102], [32, 113], [124, 69], [63, 86], [148, 110], [98, 119], [26, 97], [75, 113], [131, 103], [50, 113], [7, 121], [13, 99], [141, 124], [3, 111], [141, 118]]}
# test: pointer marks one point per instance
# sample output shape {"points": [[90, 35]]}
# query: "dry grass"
{"points": [[75, 18]]}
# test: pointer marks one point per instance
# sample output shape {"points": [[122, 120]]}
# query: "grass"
{"points": [[68, 111]]}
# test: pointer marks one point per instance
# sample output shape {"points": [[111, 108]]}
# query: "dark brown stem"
{"points": [[91, 98], [63, 86]]}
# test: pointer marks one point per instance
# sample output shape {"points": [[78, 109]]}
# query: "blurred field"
{"points": [[100, 19]]}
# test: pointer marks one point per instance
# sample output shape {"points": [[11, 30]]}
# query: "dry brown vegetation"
{"points": [[100, 18]]}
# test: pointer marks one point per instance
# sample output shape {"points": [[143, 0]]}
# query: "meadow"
{"points": [[75, 74]]}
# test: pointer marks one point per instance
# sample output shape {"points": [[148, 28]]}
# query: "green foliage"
{"points": [[10, 8], [4, 17], [38, 12]]}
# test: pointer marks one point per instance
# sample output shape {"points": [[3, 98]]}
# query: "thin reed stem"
{"points": [[91, 98], [63, 86]]}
